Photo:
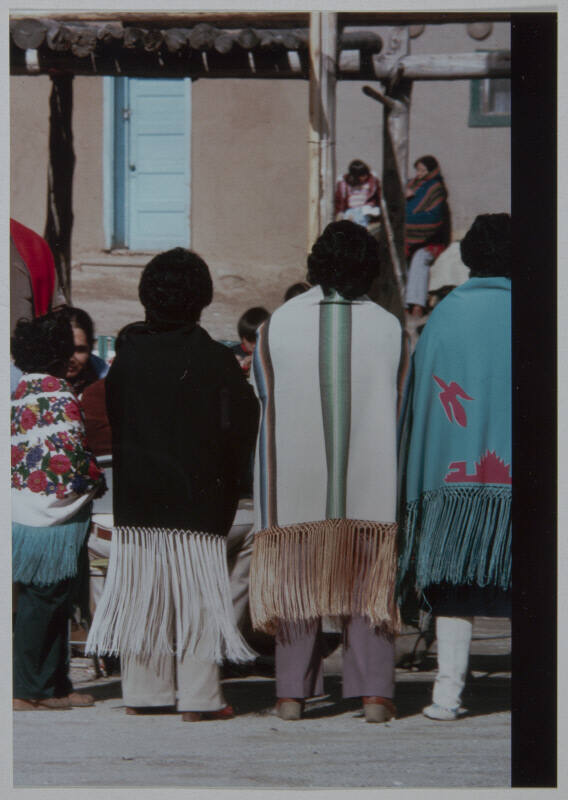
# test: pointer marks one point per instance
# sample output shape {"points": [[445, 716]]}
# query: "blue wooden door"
{"points": [[152, 163]]}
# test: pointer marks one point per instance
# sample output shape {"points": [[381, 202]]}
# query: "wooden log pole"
{"points": [[395, 99], [176, 39], [28, 34], [396, 128], [59, 224], [450, 66], [323, 68]]}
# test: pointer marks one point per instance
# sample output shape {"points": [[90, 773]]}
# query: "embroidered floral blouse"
{"points": [[53, 472]]}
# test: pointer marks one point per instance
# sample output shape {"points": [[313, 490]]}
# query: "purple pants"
{"points": [[368, 660]]}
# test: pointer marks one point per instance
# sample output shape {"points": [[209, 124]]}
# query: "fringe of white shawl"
{"points": [[167, 591], [336, 567]]}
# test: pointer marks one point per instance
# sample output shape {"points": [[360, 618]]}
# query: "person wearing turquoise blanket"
{"points": [[456, 458]]}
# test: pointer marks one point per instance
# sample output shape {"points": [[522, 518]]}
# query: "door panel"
{"points": [[155, 119]]}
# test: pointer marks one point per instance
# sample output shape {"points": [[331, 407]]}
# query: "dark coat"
{"points": [[184, 421]]}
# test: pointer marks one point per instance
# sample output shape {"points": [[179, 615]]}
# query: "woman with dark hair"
{"points": [[295, 289], [84, 366], [427, 229], [325, 369], [358, 194], [183, 422], [456, 452], [54, 479]]}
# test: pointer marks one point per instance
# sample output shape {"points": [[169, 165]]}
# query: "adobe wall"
{"points": [[250, 160]]}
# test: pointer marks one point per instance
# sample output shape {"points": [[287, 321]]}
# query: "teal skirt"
{"points": [[48, 555]]}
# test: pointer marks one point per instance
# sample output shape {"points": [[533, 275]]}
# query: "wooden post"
{"points": [[59, 222], [396, 131], [323, 71]]}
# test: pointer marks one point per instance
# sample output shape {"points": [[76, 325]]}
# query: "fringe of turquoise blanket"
{"points": [[458, 535], [48, 555]]}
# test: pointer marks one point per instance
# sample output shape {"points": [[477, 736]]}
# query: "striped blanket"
{"points": [[325, 371], [427, 212]]}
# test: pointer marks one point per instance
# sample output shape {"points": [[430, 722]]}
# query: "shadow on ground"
{"points": [[482, 695], [252, 690]]}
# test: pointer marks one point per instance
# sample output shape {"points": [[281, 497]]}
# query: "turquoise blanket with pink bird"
{"points": [[456, 443]]}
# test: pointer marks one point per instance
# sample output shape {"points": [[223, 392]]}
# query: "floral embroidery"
{"points": [[37, 481], [57, 464], [17, 455], [50, 384], [72, 411], [27, 419]]}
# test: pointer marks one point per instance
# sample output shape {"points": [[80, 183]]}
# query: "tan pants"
{"points": [[239, 555], [187, 683]]}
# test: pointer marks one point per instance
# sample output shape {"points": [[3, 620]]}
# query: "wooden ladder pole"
{"points": [[323, 78]]}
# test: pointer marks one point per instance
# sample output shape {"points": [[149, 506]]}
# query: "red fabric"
{"points": [[97, 426], [435, 249], [39, 260]]}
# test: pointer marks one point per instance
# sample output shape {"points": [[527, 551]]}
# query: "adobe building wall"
{"points": [[250, 159], [29, 157]]}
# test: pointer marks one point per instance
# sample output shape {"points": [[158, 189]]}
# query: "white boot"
{"points": [[454, 638]]}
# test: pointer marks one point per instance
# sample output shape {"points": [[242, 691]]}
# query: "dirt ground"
{"points": [[332, 747]]}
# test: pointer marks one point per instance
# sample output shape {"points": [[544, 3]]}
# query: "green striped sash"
{"points": [[335, 390]]}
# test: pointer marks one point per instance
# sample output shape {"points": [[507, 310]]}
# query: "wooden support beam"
{"points": [[134, 37], [176, 39], [59, 222], [396, 129], [395, 99], [202, 37], [109, 32], [179, 19], [323, 68], [28, 34], [153, 40], [447, 67], [248, 38]]}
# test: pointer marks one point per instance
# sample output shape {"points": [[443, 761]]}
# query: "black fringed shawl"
{"points": [[183, 422]]}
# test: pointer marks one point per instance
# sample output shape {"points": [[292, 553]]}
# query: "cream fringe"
{"points": [[167, 591], [337, 567]]}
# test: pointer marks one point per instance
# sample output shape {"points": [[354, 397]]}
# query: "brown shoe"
{"points": [[378, 709], [41, 704], [19, 704], [289, 708], [198, 716], [79, 700]]}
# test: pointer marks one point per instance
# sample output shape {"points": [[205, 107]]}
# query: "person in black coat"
{"points": [[183, 422]]}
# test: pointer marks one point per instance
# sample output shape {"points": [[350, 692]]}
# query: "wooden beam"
{"points": [[59, 222], [395, 100], [28, 34], [447, 67], [176, 39], [400, 18], [179, 19], [323, 68]]}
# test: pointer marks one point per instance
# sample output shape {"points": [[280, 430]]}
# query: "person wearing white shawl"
{"points": [[326, 371], [54, 478]]}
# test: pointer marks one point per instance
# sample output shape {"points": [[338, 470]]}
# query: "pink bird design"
{"points": [[449, 399]]}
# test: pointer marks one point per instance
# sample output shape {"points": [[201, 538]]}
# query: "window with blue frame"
{"points": [[490, 102]]}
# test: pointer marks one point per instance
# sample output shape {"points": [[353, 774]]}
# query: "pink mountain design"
{"points": [[489, 469], [450, 403]]}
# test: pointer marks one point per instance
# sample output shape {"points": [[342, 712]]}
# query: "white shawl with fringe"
{"points": [[325, 371]]}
